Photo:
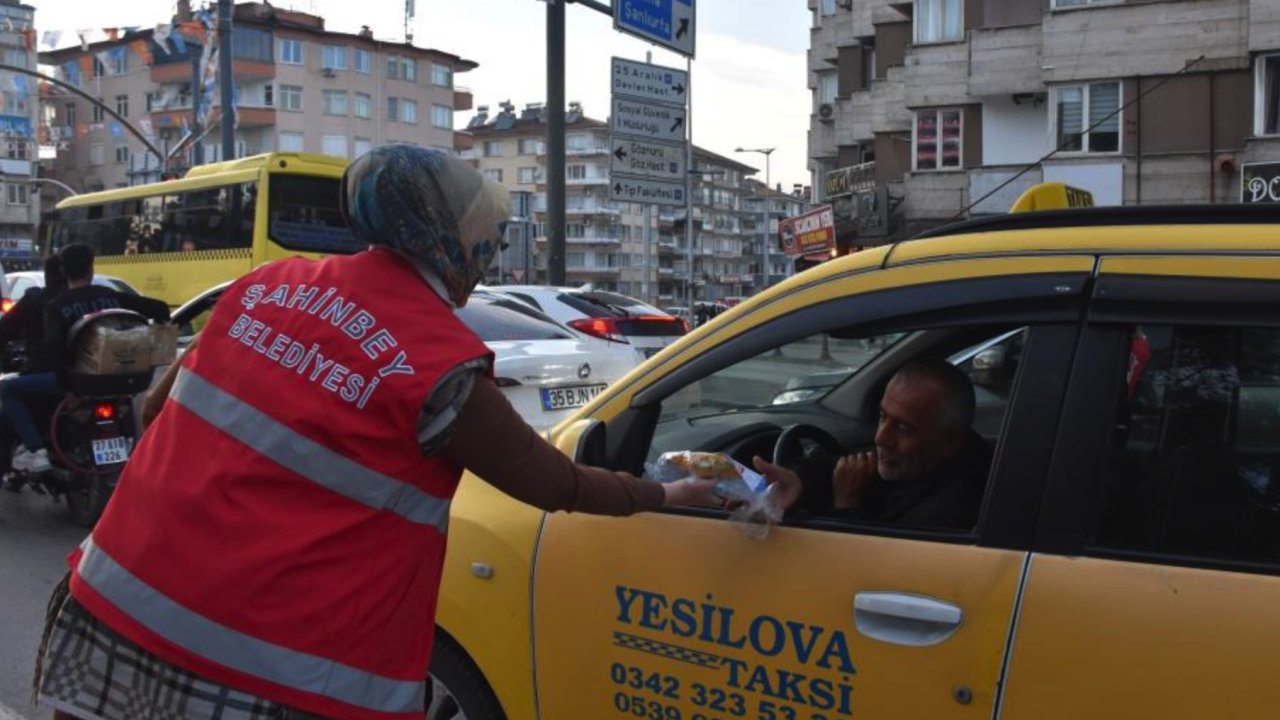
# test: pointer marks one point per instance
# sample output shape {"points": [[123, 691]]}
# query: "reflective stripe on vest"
{"points": [[249, 655], [304, 456]]}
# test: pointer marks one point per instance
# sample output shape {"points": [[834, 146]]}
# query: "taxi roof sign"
{"points": [[1052, 196]]}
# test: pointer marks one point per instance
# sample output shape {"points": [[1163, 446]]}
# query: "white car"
{"points": [[606, 315], [544, 368], [20, 282]]}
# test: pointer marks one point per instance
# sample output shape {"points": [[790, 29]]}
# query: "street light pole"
{"points": [[764, 230]]}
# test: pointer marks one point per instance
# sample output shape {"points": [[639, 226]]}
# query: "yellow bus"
{"points": [[174, 239]]}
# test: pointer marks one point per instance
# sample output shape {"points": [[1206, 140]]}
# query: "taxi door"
{"points": [[1155, 590], [681, 615]]}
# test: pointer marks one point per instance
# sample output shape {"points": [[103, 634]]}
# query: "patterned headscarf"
{"points": [[430, 205]]}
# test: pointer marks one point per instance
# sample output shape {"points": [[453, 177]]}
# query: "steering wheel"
{"points": [[812, 453]]}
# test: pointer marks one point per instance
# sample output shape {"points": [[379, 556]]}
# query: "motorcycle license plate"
{"points": [[109, 451]]}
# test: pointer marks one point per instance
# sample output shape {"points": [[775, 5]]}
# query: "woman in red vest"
{"points": [[291, 569]]}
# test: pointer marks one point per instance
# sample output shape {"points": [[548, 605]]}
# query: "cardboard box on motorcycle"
{"points": [[113, 351]]}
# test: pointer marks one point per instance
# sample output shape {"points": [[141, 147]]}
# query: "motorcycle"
{"points": [[91, 431]]}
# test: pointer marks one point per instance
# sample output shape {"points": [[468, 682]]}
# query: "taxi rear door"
{"points": [[1154, 590], [679, 615]]}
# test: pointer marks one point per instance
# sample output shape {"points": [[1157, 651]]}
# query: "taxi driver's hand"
{"points": [[852, 477], [787, 483]]}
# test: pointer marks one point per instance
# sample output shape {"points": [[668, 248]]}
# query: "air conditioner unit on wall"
{"points": [[327, 72], [826, 112], [846, 4]]}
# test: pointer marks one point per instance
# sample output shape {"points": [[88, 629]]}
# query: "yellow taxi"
{"points": [[1120, 557]]}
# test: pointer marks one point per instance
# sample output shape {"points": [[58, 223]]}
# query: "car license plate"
{"points": [[109, 451], [569, 397]]}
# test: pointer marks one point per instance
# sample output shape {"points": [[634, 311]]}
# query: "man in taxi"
{"points": [[927, 469]]}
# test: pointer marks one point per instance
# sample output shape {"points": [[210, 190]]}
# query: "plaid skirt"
{"points": [[88, 670]]}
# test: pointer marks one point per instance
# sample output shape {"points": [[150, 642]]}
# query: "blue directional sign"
{"points": [[670, 23]]}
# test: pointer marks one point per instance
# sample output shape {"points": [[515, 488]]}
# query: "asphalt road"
{"points": [[35, 537]]}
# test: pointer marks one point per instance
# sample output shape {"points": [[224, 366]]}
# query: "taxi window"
{"points": [[1194, 464]]}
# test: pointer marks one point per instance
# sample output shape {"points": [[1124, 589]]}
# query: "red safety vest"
{"points": [[278, 530]]}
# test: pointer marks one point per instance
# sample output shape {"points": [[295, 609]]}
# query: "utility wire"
{"points": [[1190, 64]]}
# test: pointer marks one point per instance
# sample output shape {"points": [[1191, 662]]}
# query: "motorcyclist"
{"points": [[61, 312], [24, 325]]}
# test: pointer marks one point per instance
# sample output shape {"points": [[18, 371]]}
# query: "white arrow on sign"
{"points": [[646, 121], [646, 190], [646, 158], [652, 83]]}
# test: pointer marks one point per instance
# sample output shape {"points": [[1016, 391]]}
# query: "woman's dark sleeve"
{"points": [[491, 440]]}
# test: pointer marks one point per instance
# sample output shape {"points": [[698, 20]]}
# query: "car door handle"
{"points": [[905, 619]]}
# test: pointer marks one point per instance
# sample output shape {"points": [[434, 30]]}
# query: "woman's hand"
{"points": [[691, 492]]}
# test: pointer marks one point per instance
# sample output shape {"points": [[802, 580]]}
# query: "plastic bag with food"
{"points": [[753, 502]]}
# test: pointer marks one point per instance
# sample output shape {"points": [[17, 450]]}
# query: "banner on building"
{"points": [[1260, 183], [812, 233]]}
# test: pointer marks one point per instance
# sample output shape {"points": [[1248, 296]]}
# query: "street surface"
{"points": [[35, 537]]}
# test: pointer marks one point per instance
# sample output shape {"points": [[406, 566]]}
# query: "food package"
{"points": [[105, 350], [746, 491]]}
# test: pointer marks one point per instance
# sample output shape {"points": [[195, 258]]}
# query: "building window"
{"points": [[364, 61], [335, 145], [15, 104], [364, 105], [938, 20], [527, 175], [122, 155], [363, 146], [290, 142], [408, 69], [575, 172], [122, 105], [152, 100], [393, 67], [575, 230], [494, 174], [828, 7], [574, 259], [937, 139], [69, 114], [120, 63], [96, 114], [17, 193], [291, 52], [393, 109], [334, 57], [269, 95], [1080, 107], [529, 146], [291, 97], [827, 87], [98, 69], [409, 111], [442, 116], [1267, 95], [250, 44], [441, 75], [17, 149], [95, 154], [492, 148], [335, 102]]}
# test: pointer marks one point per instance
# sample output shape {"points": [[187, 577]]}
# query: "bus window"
{"points": [[304, 215], [213, 219]]}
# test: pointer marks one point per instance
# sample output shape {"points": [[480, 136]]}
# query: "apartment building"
{"points": [[298, 87], [762, 208], [925, 111], [19, 197], [606, 241]]}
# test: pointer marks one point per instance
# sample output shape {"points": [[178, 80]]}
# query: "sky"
{"points": [[748, 83]]}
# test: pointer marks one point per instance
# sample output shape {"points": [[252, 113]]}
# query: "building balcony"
{"points": [[937, 75], [588, 239], [181, 71], [464, 143], [15, 167], [595, 271], [1005, 61], [462, 98]]}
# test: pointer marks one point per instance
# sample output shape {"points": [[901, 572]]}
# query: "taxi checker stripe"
{"points": [[233, 649], [305, 456]]}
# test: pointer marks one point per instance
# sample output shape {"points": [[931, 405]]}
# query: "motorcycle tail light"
{"points": [[104, 411]]}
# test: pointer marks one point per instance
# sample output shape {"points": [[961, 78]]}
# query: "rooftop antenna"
{"points": [[408, 21]]}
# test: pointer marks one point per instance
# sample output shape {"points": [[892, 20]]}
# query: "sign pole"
{"points": [[648, 233], [688, 183], [555, 143]]}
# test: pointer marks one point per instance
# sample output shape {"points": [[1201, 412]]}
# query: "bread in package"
{"points": [[734, 481]]}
